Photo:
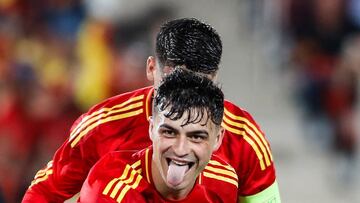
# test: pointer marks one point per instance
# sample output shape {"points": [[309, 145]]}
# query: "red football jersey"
{"points": [[121, 123], [125, 176]]}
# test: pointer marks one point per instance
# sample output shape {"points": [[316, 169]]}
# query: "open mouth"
{"points": [[180, 163], [177, 171]]}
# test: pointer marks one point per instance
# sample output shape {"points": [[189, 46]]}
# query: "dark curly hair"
{"points": [[191, 43], [184, 91]]}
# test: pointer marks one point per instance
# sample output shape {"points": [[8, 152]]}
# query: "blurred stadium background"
{"points": [[295, 65]]}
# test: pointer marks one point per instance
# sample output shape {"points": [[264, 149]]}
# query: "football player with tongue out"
{"points": [[185, 130], [122, 123]]}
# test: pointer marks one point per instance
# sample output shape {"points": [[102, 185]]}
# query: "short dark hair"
{"points": [[183, 91], [189, 42]]}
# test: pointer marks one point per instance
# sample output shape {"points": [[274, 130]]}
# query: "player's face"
{"points": [[181, 152], [156, 73]]}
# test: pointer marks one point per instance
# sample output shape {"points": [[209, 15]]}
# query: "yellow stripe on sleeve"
{"points": [[36, 181], [123, 193], [102, 116], [251, 133], [116, 189], [222, 171], [121, 182], [243, 119], [136, 164], [105, 120], [43, 174], [222, 178], [127, 188], [84, 122], [124, 183], [216, 163], [111, 183], [40, 173], [248, 140]]}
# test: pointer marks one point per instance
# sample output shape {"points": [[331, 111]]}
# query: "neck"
{"points": [[166, 191]]}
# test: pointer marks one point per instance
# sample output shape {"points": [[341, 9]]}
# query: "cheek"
{"points": [[163, 144], [203, 153]]}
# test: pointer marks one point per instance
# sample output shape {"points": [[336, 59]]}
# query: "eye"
{"points": [[167, 133], [197, 138]]}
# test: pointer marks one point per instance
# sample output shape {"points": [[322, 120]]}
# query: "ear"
{"points": [[151, 126], [150, 68], [214, 76], [219, 139]]}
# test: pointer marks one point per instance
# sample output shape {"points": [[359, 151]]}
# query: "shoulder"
{"points": [[234, 112], [220, 179], [113, 175], [122, 108], [250, 150], [242, 132], [239, 121], [111, 164], [121, 100], [220, 171]]}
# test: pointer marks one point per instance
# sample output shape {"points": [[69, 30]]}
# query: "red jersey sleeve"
{"points": [[63, 176], [117, 123], [111, 180], [246, 148]]}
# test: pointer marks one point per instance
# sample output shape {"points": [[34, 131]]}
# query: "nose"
{"points": [[181, 146]]}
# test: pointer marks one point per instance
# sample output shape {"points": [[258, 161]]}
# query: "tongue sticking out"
{"points": [[176, 173]]}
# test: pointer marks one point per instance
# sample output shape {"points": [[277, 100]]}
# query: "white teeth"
{"points": [[179, 163]]}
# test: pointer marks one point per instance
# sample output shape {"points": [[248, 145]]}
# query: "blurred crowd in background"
{"points": [[59, 57], [323, 41], [56, 60]]}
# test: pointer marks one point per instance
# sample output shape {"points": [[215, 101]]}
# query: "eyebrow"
{"points": [[164, 125], [199, 132]]}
